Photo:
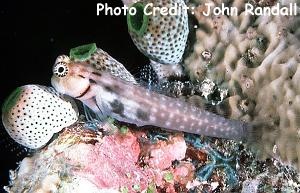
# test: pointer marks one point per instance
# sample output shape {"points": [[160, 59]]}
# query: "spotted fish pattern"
{"points": [[111, 96], [101, 61]]}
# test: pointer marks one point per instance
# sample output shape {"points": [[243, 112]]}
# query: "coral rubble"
{"points": [[83, 159], [129, 160]]}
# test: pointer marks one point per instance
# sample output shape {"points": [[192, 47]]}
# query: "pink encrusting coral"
{"points": [[84, 159], [162, 154], [112, 163]]}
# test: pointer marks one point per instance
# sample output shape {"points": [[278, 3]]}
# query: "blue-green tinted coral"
{"points": [[11, 100], [83, 52], [217, 161], [138, 22], [155, 135]]}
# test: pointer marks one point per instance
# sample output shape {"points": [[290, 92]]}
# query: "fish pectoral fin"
{"points": [[92, 116]]}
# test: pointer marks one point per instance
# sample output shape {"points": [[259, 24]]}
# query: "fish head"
{"points": [[69, 77], [33, 113]]}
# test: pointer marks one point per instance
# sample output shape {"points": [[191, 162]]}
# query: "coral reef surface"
{"points": [[256, 58]]}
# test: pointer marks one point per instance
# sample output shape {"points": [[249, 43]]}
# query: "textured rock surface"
{"points": [[257, 59], [80, 159]]}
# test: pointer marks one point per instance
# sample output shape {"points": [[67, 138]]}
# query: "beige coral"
{"points": [[258, 58]]}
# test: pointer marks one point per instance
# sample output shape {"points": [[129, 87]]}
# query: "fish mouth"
{"points": [[85, 91]]}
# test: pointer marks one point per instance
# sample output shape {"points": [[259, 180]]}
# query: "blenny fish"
{"points": [[109, 95], [33, 113]]}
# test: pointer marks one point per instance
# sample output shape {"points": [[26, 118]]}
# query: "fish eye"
{"points": [[60, 69]]}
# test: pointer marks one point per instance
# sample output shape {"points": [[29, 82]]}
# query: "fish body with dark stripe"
{"points": [[111, 96]]}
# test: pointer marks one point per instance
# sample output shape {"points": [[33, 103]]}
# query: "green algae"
{"points": [[168, 177], [151, 188]]}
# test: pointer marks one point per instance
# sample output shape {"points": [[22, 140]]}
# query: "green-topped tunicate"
{"points": [[162, 38], [83, 52], [11, 100], [33, 113]]}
